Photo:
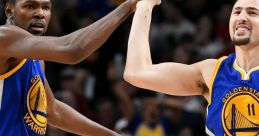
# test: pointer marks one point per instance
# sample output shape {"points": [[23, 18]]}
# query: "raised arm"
{"points": [[169, 78], [72, 48]]}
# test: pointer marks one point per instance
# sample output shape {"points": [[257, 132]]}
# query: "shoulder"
{"points": [[10, 36], [11, 31], [207, 68], [205, 65]]}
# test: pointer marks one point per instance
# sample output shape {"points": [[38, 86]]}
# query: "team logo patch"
{"points": [[36, 117], [240, 114]]}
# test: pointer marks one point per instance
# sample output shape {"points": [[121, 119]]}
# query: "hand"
{"points": [[133, 4], [153, 2]]}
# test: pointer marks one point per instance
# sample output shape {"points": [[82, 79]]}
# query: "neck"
{"points": [[247, 56]]}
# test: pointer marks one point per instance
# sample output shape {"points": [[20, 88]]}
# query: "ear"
{"points": [[9, 10]]}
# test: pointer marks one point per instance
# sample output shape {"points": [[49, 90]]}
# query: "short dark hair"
{"points": [[2, 10]]}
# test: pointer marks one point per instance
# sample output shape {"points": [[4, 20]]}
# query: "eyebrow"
{"points": [[249, 8], [41, 1], [252, 8]]}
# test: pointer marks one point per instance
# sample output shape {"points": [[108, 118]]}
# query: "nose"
{"points": [[242, 16], [39, 14]]}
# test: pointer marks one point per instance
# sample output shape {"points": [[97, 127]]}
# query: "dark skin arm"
{"points": [[62, 116], [68, 49], [73, 48]]}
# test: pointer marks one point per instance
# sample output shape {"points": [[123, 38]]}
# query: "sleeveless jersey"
{"points": [[23, 101], [234, 106]]}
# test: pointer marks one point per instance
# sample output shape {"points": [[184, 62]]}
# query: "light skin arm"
{"points": [[170, 78], [69, 49], [62, 116]]}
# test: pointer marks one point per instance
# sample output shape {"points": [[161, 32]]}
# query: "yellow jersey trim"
{"points": [[213, 76], [244, 75], [11, 72]]}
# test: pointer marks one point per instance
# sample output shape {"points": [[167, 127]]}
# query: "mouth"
{"points": [[37, 26], [242, 29]]}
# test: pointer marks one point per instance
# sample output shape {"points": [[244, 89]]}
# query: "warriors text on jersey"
{"points": [[234, 107], [23, 101]]}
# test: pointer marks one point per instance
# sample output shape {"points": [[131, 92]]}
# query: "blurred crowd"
{"points": [[184, 31]]}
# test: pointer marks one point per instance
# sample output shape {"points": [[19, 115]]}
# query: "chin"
{"points": [[38, 33], [241, 41]]}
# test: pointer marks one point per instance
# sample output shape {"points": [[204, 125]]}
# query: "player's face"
{"points": [[244, 22], [32, 15]]}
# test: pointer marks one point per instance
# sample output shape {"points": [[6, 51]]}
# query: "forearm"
{"points": [[138, 56], [85, 41], [66, 118]]}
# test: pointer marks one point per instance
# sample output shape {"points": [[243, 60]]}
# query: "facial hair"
{"points": [[36, 33], [241, 41]]}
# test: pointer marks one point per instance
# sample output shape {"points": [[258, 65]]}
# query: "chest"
{"points": [[234, 107], [24, 97]]}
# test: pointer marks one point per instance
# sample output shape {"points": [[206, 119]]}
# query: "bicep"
{"points": [[18, 43], [172, 78]]}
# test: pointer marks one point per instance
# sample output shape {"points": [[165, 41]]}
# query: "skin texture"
{"points": [[181, 79], [22, 38], [33, 16], [243, 25], [170, 78], [246, 17]]}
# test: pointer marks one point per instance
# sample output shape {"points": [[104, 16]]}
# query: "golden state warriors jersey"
{"points": [[234, 106], [23, 101]]}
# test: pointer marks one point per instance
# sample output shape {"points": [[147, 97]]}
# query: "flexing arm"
{"points": [[72, 48], [169, 78]]}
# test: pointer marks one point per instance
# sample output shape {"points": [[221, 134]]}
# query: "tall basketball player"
{"points": [[230, 84], [27, 104]]}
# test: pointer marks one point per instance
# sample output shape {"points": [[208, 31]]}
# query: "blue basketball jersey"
{"points": [[23, 101], [234, 106]]}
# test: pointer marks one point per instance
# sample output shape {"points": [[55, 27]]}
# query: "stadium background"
{"points": [[184, 31]]}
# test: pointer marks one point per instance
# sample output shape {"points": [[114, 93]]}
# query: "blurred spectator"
{"points": [[207, 45], [106, 113], [221, 25], [186, 131], [183, 31], [151, 120], [72, 93]]}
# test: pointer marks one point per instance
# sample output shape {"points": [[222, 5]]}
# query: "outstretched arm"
{"points": [[72, 48], [169, 78]]}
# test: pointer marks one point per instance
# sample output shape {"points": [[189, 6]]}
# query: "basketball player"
{"points": [[230, 84], [27, 104]]}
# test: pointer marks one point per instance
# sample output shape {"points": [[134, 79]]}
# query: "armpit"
{"points": [[204, 88]]}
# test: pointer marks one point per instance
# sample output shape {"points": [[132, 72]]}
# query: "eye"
{"points": [[236, 12], [252, 13], [46, 7], [29, 6]]}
